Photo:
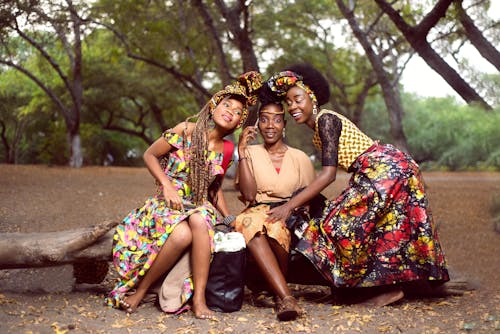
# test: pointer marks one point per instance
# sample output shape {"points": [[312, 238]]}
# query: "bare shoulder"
{"points": [[183, 129]]}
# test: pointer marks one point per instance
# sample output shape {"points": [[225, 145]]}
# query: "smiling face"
{"points": [[271, 123], [299, 104], [228, 113]]}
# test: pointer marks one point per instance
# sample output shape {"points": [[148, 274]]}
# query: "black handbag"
{"points": [[226, 280]]}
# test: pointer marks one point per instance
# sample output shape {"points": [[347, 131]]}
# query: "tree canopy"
{"points": [[95, 82]]}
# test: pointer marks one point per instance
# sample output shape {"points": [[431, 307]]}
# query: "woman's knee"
{"points": [[182, 235], [196, 222], [258, 241]]}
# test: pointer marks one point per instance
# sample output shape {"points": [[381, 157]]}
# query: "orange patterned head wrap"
{"points": [[246, 87]]}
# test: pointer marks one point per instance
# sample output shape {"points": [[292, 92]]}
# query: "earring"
{"points": [[284, 134], [315, 109]]}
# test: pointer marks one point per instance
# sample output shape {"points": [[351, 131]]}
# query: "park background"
{"points": [[92, 83], [95, 82]]}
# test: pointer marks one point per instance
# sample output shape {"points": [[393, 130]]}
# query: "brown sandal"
{"points": [[288, 309]]}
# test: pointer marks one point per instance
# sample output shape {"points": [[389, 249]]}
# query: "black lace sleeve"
{"points": [[329, 129]]}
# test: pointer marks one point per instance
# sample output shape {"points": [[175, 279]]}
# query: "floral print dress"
{"points": [[142, 233], [378, 231]]}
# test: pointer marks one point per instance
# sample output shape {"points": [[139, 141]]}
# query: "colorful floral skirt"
{"points": [[140, 236], [378, 231]]}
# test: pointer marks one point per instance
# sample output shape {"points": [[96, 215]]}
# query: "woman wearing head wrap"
{"points": [[187, 165], [268, 174], [377, 232]]}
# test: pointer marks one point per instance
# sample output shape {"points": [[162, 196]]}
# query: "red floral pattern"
{"points": [[380, 230]]}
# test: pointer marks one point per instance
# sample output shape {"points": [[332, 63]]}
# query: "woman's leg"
{"points": [[200, 259], [281, 255], [170, 252], [269, 265]]}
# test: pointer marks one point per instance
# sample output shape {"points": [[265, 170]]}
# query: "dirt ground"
{"points": [[46, 300]]}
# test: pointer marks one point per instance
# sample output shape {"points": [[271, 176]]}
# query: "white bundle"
{"points": [[229, 242]]}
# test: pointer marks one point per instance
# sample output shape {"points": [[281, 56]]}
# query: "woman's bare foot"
{"points": [[131, 301], [385, 298], [201, 311]]}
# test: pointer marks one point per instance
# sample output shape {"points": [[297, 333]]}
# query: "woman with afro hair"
{"points": [[379, 231]]}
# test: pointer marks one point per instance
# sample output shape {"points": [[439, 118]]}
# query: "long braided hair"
{"points": [[199, 176]]}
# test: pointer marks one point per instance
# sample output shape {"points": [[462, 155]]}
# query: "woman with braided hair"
{"points": [[151, 239], [378, 232]]}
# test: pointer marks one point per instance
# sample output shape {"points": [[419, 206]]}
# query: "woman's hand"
{"points": [[172, 198], [278, 213], [248, 135]]}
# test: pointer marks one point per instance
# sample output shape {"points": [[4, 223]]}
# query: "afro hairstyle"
{"points": [[314, 80]]}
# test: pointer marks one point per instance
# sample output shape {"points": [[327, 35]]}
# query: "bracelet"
{"points": [[228, 220], [242, 158]]}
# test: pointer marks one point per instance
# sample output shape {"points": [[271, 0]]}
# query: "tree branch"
{"points": [[49, 59], [417, 40], [49, 92], [209, 23], [186, 81], [476, 37]]}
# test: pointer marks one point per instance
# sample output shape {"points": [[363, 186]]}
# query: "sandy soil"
{"points": [[46, 300]]}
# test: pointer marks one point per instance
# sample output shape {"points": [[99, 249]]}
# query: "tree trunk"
{"points": [[238, 24], [25, 250], [212, 30], [391, 98], [76, 159]]}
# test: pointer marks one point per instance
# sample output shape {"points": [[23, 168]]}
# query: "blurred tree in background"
{"points": [[94, 83]]}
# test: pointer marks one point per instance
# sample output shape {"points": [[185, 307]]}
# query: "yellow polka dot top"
{"points": [[352, 141]]}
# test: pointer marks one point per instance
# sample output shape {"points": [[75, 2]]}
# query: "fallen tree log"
{"points": [[89, 251], [83, 245]]}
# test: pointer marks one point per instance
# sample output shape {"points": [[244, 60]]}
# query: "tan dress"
{"points": [[296, 172]]}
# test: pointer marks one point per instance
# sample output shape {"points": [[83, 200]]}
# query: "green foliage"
{"points": [[51, 147], [375, 120], [442, 133], [110, 148], [129, 102]]}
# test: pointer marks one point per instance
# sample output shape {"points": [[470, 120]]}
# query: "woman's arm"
{"points": [[221, 204], [151, 158], [323, 180], [329, 128], [247, 185]]}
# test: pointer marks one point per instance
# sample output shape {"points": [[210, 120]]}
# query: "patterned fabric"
{"points": [[380, 230], [246, 86], [142, 233], [253, 220], [281, 82], [273, 188], [352, 142], [331, 128]]}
